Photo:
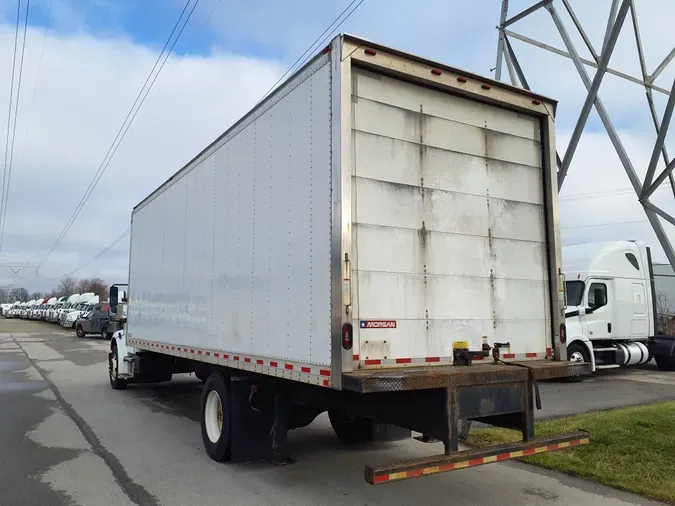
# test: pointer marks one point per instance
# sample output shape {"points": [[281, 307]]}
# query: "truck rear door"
{"points": [[448, 233]]}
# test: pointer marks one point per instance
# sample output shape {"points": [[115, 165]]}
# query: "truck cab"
{"points": [[610, 303]]}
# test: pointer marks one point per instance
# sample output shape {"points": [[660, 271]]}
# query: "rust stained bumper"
{"points": [[420, 378]]}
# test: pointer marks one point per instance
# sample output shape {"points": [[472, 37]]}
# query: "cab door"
{"points": [[598, 309], [95, 319]]}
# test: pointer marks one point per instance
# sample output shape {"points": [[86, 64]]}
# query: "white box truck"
{"points": [[377, 239]]}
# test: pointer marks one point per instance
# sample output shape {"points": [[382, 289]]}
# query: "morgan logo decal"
{"points": [[378, 324]]}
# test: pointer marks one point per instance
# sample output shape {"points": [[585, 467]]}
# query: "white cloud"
{"points": [[88, 82], [86, 86]]}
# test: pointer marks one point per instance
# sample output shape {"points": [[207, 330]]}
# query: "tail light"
{"points": [[563, 333], [347, 336]]}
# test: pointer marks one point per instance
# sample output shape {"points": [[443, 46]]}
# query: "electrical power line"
{"points": [[7, 172], [605, 224], [98, 255], [131, 115], [9, 108], [331, 28], [606, 193], [37, 74], [317, 42], [189, 46]]}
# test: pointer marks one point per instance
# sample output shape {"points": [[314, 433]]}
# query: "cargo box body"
{"points": [[414, 201]]}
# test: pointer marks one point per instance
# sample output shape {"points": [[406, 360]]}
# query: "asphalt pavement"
{"points": [[67, 438]]}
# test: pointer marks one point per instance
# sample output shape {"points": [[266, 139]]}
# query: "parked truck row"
{"points": [[84, 313]]}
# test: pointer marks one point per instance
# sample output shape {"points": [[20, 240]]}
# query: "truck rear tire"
{"points": [[665, 363], [351, 428], [215, 417], [116, 382], [80, 332]]}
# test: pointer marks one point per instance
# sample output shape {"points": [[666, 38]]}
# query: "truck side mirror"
{"points": [[113, 296]]}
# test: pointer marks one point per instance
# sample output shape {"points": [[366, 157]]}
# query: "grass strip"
{"points": [[632, 449]]}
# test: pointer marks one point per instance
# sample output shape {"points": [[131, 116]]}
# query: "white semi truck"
{"points": [[611, 306], [377, 239]]}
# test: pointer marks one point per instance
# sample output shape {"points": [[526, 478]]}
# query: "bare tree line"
{"points": [[70, 285]]}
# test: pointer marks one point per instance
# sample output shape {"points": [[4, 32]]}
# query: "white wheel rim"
{"points": [[213, 416], [577, 356]]}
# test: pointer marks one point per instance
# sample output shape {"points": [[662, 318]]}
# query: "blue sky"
{"points": [[81, 78], [462, 34]]}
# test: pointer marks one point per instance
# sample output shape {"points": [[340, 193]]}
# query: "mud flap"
{"points": [[250, 430]]}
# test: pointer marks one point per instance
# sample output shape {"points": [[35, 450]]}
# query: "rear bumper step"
{"points": [[397, 471]]}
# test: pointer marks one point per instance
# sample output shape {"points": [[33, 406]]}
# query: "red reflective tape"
{"points": [[414, 473], [549, 352], [226, 356], [576, 442], [247, 360], [383, 478], [260, 362], [373, 362], [552, 448], [503, 456], [306, 369], [326, 383], [356, 358], [288, 366], [446, 467], [529, 451], [274, 364], [404, 360], [236, 357], [324, 372], [531, 355], [216, 355], [476, 462], [509, 355], [432, 359]]}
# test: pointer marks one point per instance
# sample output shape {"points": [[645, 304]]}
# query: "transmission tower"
{"points": [[619, 11]]}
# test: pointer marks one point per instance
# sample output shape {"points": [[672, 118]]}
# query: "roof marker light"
{"points": [[461, 79], [370, 52], [436, 72], [486, 86], [536, 102]]}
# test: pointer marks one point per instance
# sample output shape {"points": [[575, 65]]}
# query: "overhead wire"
{"points": [[131, 115], [331, 28], [98, 255], [38, 73], [7, 172], [189, 46], [604, 224], [11, 102], [317, 43], [607, 193]]}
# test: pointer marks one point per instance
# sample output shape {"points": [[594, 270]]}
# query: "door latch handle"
{"points": [[609, 328]]}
